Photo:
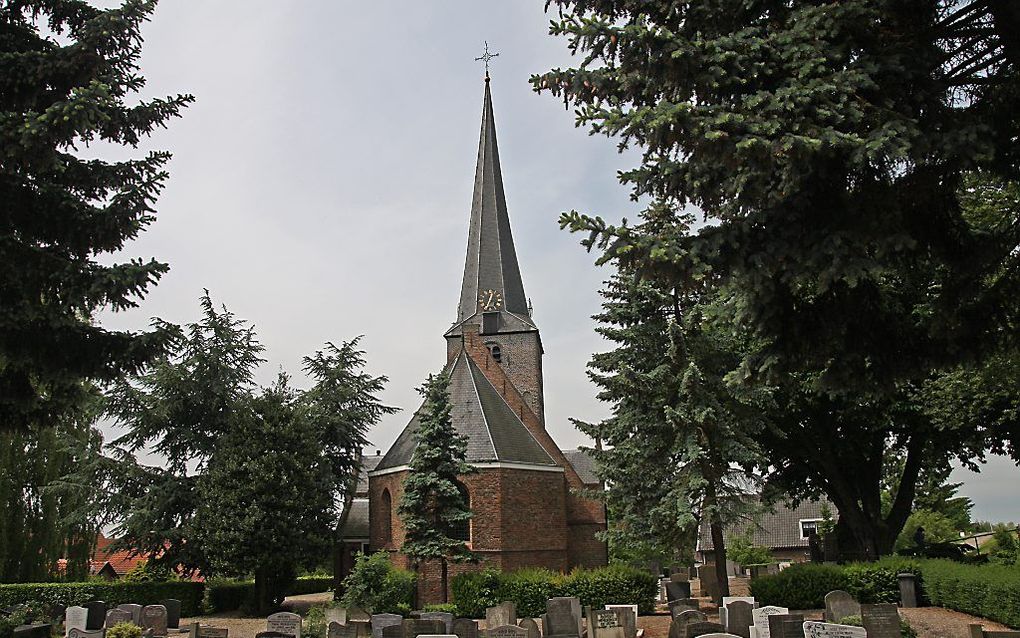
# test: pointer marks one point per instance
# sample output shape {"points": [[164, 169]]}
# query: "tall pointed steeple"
{"points": [[492, 277]]}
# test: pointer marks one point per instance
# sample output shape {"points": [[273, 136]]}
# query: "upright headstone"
{"points": [[604, 623], [696, 629], [84, 633], [270, 634], [814, 629], [414, 627], [502, 614], [465, 628], [881, 621], [75, 617], [97, 614], [41, 630], [337, 615], [446, 618], [118, 616], [284, 622], [358, 614], [760, 618], [628, 614], [709, 583], [393, 631], [840, 604], [782, 625], [362, 628], [562, 616], [173, 612], [506, 631], [679, 574], [154, 619], [134, 610], [380, 621], [908, 590], [339, 630], [676, 607], [738, 618], [678, 590], [531, 626], [977, 631], [678, 627]]}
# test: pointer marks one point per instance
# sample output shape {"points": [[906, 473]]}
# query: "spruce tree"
{"points": [[433, 507], [67, 75]]}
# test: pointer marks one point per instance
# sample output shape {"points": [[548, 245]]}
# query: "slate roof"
{"points": [[368, 463], [584, 465], [776, 528], [491, 262], [494, 432], [357, 521]]}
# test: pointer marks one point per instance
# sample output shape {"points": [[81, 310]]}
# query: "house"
{"points": [[783, 528]]}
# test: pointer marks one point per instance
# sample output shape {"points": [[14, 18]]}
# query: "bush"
{"points": [[25, 614], [113, 592], [799, 586], [878, 582], [906, 631], [743, 551], [989, 591], [124, 630], [529, 589], [229, 595], [377, 586]]}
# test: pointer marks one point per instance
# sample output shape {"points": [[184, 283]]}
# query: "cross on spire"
{"points": [[486, 57]]}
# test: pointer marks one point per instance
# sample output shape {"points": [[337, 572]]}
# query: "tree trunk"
{"points": [[719, 544], [262, 596], [443, 577]]}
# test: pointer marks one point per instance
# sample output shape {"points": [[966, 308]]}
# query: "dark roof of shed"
{"points": [[493, 430], [584, 465], [778, 527]]}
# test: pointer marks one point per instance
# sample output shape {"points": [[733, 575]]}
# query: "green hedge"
{"points": [[378, 586], [228, 595], [804, 585], [113, 592], [989, 591], [529, 589]]}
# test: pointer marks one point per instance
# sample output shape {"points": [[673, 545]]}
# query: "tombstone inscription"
{"points": [[284, 622], [118, 616], [75, 617], [205, 631], [814, 629], [465, 628], [506, 631], [531, 626], [781, 624], [881, 621], [154, 619], [502, 614], [628, 615]]}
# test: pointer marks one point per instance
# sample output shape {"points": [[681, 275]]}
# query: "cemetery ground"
{"points": [[928, 622]]}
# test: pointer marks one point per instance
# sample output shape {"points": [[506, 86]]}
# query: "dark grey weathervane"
{"points": [[486, 57]]}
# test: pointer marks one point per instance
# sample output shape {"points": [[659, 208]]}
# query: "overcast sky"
{"points": [[321, 187]]}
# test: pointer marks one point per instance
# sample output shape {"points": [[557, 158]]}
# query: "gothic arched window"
{"points": [[386, 517]]}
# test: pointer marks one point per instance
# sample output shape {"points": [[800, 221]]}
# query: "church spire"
{"points": [[492, 277]]}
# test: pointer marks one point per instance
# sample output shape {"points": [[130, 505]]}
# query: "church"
{"points": [[527, 511]]}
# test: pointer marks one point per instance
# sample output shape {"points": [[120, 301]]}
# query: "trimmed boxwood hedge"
{"points": [[113, 592], [529, 589], [228, 595], [989, 591], [804, 585]]}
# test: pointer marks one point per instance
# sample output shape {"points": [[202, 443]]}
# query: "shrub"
{"points": [[530, 588], [377, 586], [113, 592], [144, 572], [989, 591], [449, 608], [799, 586], [24, 614], [906, 631], [124, 630], [229, 595], [742, 550], [314, 625], [878, 582]]}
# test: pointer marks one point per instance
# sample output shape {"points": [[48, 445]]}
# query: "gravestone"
{"points": [[270, 634], [738, 618], [205, 631], [678, 627], [362, 628], [881, 621], [814, 629], [359, 614], [709, 583], [337, 615], [446, 618], [173, 612], [562, 616], [701, 629], [678, 590], [97, 614], [908, 590], [676, 607], [393, 631], [760, 618], [32, 631], [604, 623], [381, 621], [84, 633], [506, 631], [781, 625], [465, 628], [284, 622], [977, 631], [413, 627], [504, 613], [134, 610], [118, 616], [531, 626], [340, 630], [724, 607], [628, 614], [679, 574], [154, 619], [75, 617], [840, 604]]}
